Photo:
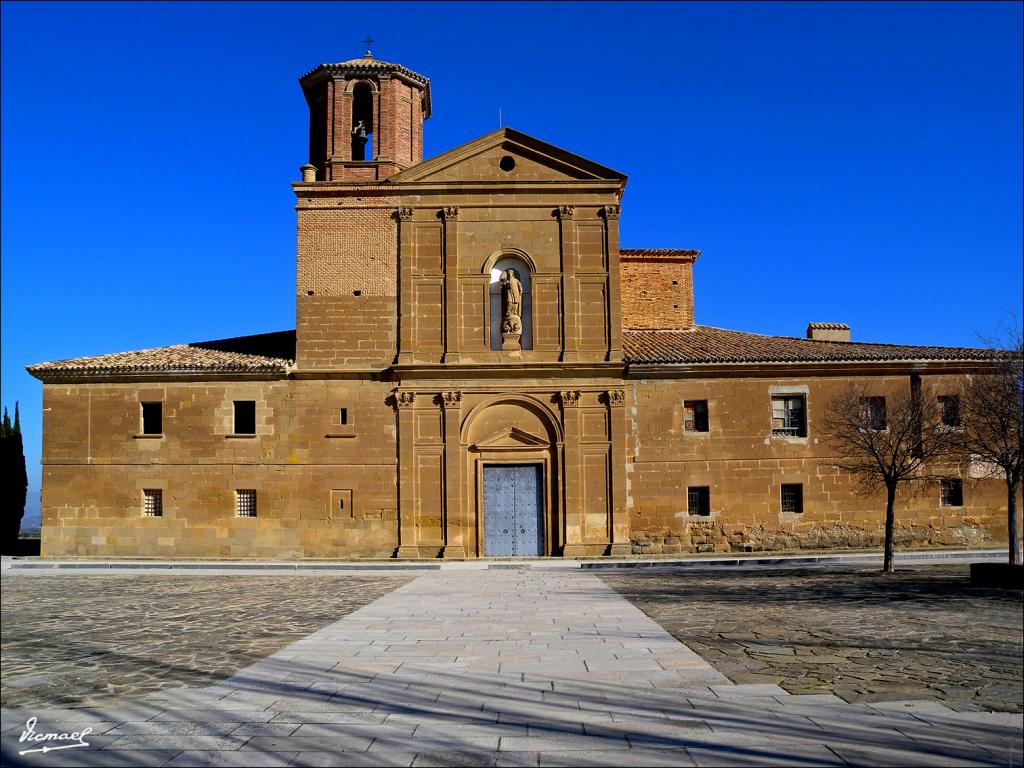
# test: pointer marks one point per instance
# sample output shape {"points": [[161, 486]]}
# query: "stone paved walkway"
{"points": [[920, 633], [507, 667]]}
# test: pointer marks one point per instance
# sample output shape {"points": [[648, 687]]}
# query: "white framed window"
{"points": [[789, 415]]}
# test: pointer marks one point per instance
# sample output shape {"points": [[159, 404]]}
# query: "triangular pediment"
{"points": [[486, 159], [511, 437]]}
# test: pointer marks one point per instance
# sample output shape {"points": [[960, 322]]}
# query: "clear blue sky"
{"points": [[834, 162]]}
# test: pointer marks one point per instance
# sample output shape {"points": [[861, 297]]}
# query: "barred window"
{"points": [[245, 502], [698, 500], [153, 502], [950, 405], [951, 493], [793, 497], [788, 416], [695, 416]]}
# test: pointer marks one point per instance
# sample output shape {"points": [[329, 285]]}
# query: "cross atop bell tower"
{"points": [[365, 118]]}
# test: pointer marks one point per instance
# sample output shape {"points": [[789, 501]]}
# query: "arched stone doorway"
{"points": [[506, 440]]}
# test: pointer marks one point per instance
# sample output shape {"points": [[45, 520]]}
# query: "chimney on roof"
{"points": [[828, 331]]}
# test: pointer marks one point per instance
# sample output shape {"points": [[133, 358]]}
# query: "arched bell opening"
{"points": [[362, 122]]}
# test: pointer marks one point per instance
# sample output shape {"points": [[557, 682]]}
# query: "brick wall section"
{"points": [[657, 292], [347, 249]]}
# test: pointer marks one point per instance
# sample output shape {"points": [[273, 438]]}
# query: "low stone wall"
{"points": [[709, 536]]}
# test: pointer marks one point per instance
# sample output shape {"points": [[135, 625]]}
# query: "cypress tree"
{"points": [[15, 476]]}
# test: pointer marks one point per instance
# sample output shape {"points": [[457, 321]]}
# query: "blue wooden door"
{"points": [[512, 510]]}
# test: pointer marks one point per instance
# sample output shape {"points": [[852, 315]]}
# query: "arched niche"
{"points": [[523, 267]]}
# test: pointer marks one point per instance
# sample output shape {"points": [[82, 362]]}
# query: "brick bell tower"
{"points": [[365, 119]]}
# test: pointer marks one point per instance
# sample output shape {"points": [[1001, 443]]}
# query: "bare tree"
{"points": [[886, 441], [992, 426]]}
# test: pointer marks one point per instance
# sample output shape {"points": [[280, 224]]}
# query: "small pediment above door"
{"points": [[507, 155], [510, 438]]}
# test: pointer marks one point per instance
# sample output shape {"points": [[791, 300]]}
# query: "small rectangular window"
{"points": [[153, 502], [343, 416], [873, 413], [793, 497], [788, 417], [951, 493], [152, 418], [698, 500], [950, 405], [695, 416], [245, 502], [245, 417]]}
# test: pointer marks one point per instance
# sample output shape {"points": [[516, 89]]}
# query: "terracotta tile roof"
{"points": [[265, 352], [704, 344], [829, 326], [658, 253]]}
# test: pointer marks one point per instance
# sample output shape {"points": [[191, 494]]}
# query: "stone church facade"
{"points": [[402, 418]]}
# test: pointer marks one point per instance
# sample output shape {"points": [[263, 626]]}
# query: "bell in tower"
{"points": [[365, 119]]}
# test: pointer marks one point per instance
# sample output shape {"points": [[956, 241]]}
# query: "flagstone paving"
{"points": [[921, 633], [83, 638], [507, 667]]}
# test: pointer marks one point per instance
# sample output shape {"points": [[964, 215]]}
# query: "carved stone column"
{"points": [[617, 418], [454, 522], [570, 290], [611, 243], [450, 216], [404, 402], [571, 477], [406, 254]]}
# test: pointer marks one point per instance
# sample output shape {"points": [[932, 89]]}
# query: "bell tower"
{"points": [[365, 119]]}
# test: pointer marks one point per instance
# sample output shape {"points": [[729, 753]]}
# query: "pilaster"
{"points": [[611, 241], [406, 253], [450, 217], [404, 403], [619, 527], [454, 524], [570, 290], [571, 479]]}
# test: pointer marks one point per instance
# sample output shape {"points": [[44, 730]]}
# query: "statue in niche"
{"points": [[512, 310], [359, 141]]}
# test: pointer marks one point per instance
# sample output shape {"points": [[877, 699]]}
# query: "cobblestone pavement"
{"points": [[923, 633], [77, 639], [506, 668]]}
